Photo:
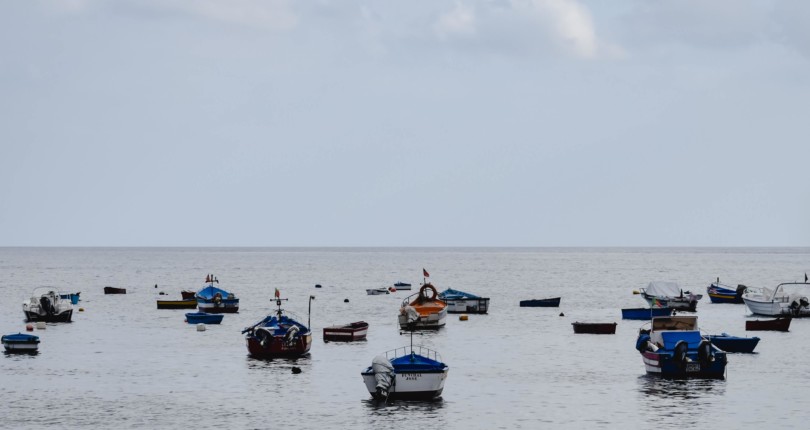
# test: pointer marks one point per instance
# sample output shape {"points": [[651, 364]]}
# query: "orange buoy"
{"points": [[29, 327]]}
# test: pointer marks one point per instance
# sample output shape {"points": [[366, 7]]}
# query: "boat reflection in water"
{"points": [[665, 400]]}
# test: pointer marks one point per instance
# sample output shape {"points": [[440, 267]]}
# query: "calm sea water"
{"points": [[123, 363]]}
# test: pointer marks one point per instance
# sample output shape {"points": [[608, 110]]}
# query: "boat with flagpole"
{"points": [[424, 308], [279, 335], [215, 300]]}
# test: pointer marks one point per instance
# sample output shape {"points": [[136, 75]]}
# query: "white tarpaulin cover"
{"points": [[383, 372], [663, 289]]}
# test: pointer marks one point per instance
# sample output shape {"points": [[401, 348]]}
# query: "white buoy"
{"points": [[41, 325], [200, 327]]}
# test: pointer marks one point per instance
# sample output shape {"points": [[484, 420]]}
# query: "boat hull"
{"points": [[422, 385], [114, 290], [177, 304], [186, 294], [21, 343], [33, 316], [779, 324], [594, 328], [663, 365], [346, 333], [276, 347], [200, 317], [734, 344], [225, 306], [467, 306], [541, 303], [432, 321], [644, 313]]}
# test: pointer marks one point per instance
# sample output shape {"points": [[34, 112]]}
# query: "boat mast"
{"points": [[309, 313]]}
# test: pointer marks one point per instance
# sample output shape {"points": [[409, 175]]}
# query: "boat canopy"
{"points": [[210, 291], [664, 289], [456, 295], [671, 338], [416, 363]]}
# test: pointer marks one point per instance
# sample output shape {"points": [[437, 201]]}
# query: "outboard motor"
{"points": [[740, 290], [705, 352], [384, 375], [642, 343], [46, 305], [289, 337]]}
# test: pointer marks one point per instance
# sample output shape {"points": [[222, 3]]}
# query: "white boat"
{"points": [[23, 343], [670, 295], [788, 298], [423, 310], [47, 304], [402, 285], [461, 302], [377, 291], [406, 373]]}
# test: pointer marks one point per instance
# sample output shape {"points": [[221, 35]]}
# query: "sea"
{"points": [[123, 363]]}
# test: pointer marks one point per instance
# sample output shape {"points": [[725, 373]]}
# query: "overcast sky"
{"points": [[410, 123]]}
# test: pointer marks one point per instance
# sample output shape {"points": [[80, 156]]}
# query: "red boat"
{"points": [[114, 290], [594, 328], [346, 332], [278, 335], [188, 294], [779, 324]]}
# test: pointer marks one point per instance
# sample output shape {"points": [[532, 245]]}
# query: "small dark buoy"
{"points": [[317, 285], [345, 300], [162, 293], [562, 314], [155, 285], [296, 370]]}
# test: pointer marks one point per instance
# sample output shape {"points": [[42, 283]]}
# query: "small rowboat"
{"points": [[204, 318], [346, 332], [177, 304], [729, 343], [21, 343], [541, 303], [594, 328], [645, 313], [779, 324], [114, 290], [186, 294]]}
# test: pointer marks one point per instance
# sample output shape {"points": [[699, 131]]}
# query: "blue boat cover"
{"points": [[456, 295], [210, 291], [417, 363], [671, 338], [20, 338]]}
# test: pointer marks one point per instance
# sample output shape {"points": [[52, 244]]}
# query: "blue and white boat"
{"points": [[674, 348], [215, 300], [21, 343], [721, 293], [204, 318], [730, 343], [461, 302], [644, 313], [406, 373]]}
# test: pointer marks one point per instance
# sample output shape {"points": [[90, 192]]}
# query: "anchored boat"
{"points": [[423, 310], [21, 343], [278, 335], [787, 299], [177, 304], [203, 318], [47, 304], [674, 348], [346, 332], [461, 302], [215, 300]]}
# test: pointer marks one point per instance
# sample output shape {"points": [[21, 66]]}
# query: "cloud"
{"points": [[569, 22], [458, 22], [276, 14]]}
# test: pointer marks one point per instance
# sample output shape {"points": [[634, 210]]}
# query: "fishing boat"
{"points": [[177, 304], [278, 335], [402, 285], [203, 318], [644, 313], [114, 290], [423, 310], [674, 348], [730, 343], [788, 298], [346, 332], [459, 302], [721, 293], [541, 303], [188, 294], [46, 304], [20, 343], [669, 294], [594, 328], [377, 291], [778, 324], [216, 300], [73, 297]]}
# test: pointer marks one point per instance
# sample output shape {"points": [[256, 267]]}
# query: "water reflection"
{"points": [[386, 413], [304, 362], [666, 399]]}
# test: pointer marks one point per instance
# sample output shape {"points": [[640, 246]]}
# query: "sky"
{"points": [[418, 123]]}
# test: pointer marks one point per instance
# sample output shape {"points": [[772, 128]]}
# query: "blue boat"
{"points": [[730, 343], [215, 300], [21, 343], [645, 313], [541, 303], [673, 348], [461, 302], [720, 293], [204, 318]]}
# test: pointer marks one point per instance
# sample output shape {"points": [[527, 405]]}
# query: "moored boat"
{"points": [[674, 348], [594, 328], [423, 310], [787, 299], [188, 294], [20, 343], [778, 324], [114, 290], [721, 293], [541, 303], [216, 300], [730, 343], [46, 304], [461, 302], [402, 285], [644, 313], [377, 291], [177, 304], [203, 318], [671, 295], [346, 332], [278, 335], [406, 373]]}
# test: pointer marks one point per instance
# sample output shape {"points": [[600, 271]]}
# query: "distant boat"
{"points": [[177, 304], [20, 343], [594, 328], [645, 313], [402, 285], [114, 290], [674, 348], [346, 332], [541, 303], [729, 343], [203, 318], [188, 294], [779, 324], [671, 295], [47, 304], [461, 302], [216, 300], [377, 291], [720, 293], [423, 310], [278, 335], [788, 298]]}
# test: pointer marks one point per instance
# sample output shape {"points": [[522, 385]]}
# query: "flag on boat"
{"points": [[278, 293], [207, 278], [424, 272], [656, 303]]}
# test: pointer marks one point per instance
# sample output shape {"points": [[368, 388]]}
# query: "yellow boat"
{"points": [[177, 304]]}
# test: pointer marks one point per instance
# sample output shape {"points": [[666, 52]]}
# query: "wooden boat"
{"points": [[204, 318], [346, 332], [215, 300], [729, 343], [188, 294], [644, 313], [278, 335], [46, 304], [415, 373], [20, 343], [670, 295], [778, 324], [541, 303], [674, 348], [177, 304], [377, 291], [459, 302], [720, 293], [423, 310], [114, 290], [594, 328], [402, 285], [787, 299]]}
